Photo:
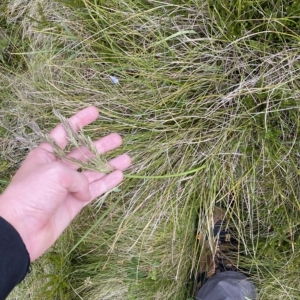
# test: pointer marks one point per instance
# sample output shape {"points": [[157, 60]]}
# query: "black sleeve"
{"points": [[14, 258]]}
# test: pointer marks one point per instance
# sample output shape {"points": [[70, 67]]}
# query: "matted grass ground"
{"points": [[208, 106]]}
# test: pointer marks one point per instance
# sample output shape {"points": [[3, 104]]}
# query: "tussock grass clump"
{"points": [[208, 105]]}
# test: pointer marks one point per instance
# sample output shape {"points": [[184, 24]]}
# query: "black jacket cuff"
{"points": [[14, 258]]}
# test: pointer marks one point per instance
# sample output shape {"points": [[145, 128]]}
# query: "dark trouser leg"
{"points": [[229, 285]]}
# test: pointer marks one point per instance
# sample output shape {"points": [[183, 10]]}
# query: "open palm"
{"points": [[47, 193]]}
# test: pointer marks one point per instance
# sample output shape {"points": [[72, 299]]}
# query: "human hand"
{"points": [[46, 193]]}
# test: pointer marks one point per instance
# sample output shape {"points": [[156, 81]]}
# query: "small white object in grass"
{"points": [[114, 79]]}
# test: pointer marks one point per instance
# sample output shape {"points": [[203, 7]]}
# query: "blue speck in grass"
{"points": [[114, 79]]}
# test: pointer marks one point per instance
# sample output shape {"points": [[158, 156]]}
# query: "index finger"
{"points": [[77, 121]]}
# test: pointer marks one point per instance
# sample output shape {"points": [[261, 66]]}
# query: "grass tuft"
{"points": [[207, 102]]}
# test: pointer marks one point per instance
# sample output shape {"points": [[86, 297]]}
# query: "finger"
{"points": [[121, 162], [77, 121], [103, 145], [74, 182], [106, 183], [72, 207]]}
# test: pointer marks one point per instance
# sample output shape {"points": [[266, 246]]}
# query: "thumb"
{"points": [[39, 156], [74, 182]]}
